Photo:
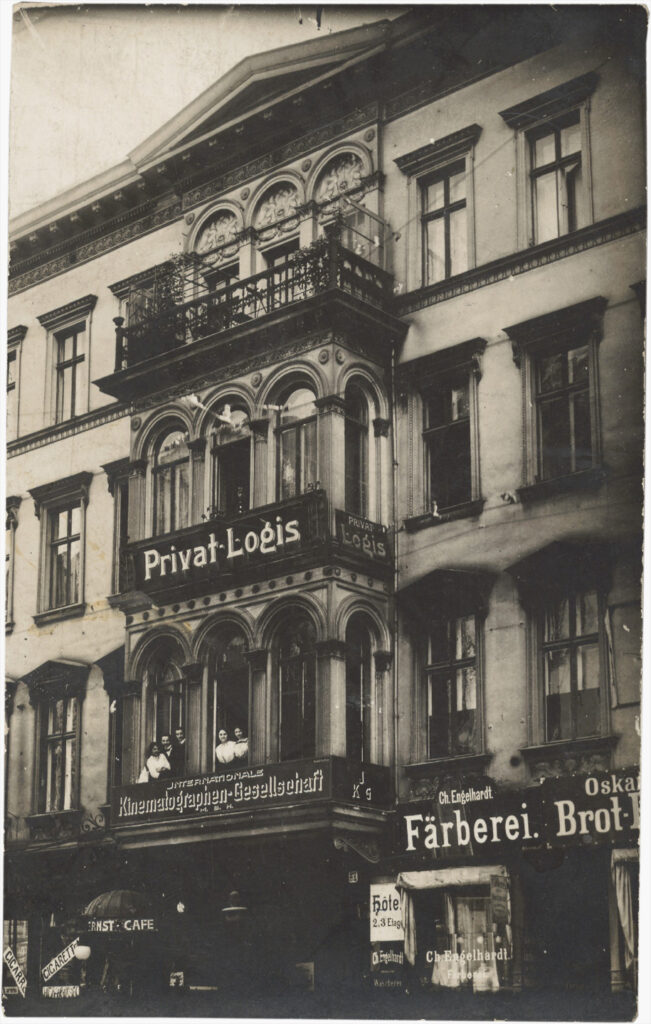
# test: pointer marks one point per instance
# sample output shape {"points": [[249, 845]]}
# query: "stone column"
{"points": [[383, 476], [194, 735], [518, 925], [330, 698], [617, 977], [262, 740], [382, 742], [198, 501], [137, 528], [260, 431], [331, 444]]}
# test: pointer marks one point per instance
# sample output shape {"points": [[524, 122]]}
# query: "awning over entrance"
{"points": [[119, 903]]}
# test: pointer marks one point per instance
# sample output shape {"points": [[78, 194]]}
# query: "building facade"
{"points": [[325, 440]]}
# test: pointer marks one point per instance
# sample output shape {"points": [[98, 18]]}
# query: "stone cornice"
{"points": [[122, 288], [116, 470], [423, 371], [449, 147], [96, 418], [550, 103], [16, 334], [583, 319], [56, 679], [69, 487], [80, 307], [525, 259]]}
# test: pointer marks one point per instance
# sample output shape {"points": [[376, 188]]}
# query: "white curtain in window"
{"points": [[621, 863]]}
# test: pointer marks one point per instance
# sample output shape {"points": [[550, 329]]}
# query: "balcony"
{"points": [[287, 536], [208, 326], [241, 801]]}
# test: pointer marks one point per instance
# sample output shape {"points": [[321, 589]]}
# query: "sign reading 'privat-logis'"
{"points": [[362, 537], [600, 808], [224, 548]]}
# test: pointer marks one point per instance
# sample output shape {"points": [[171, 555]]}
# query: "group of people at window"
{"points": [[166, 758]]}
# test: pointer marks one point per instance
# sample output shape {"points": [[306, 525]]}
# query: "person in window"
{"points": [[241, 746], [225, 749], [179, 752], [156, 764], [166, 748]]}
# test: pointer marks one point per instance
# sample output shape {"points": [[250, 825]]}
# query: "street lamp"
{"points": [[234, 909], [82, 952]]}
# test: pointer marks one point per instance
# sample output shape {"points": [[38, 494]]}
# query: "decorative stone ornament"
{"points": [[219, 230], [341, 174], [278, 206]]}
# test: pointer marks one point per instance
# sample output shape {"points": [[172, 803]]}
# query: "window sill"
{"points": [[584, 480], [560, 757], [54, 825], [70, 611], [465, 511], [9, 627], [464, 762]]}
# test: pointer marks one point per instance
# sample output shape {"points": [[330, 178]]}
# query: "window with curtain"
{"points": [[231, 453], [444, 223], [296, 659], [58, 784], [171, 474], [453, 726], [297, 443], [556, 179], [356, 451], [359, 698], [571, 665]]}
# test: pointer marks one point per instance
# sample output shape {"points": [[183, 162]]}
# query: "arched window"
{"points": [[231, 461], [296, 661], [297, 446], [171, 475], [359, 700], [356, 451], [229, 692]]}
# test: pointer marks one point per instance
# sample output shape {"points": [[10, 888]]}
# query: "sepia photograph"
{"points": [[324, 490]]}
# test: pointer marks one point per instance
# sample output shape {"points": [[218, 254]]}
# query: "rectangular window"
{"points": [[447, 439], [70, 355], [444, 223], [564, 418], [571, 666], [452, 700], [556, 179], [65, 556], [59, 754], [12, 394]]}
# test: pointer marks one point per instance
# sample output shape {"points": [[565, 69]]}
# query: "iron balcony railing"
{"points": [[321, 267]]}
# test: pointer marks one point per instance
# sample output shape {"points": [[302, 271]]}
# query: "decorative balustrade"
{"points": [[323, 266]]}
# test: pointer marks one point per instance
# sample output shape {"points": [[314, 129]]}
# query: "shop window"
{"points": [[458, 927], [15, 939], [61, 507], [297, 443], [229, 671], [171, 478], [447, 437], [359, 694], [452, 687], [59, 754], [231, 462], [558, 357], [356, 454], [571, 665], [296, 660], [553, 160]]}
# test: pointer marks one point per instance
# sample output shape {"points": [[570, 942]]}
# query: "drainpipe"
{"points": [[394, 516]]}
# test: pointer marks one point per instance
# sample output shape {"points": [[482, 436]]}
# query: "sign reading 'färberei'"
{"points": [[479, 816]]}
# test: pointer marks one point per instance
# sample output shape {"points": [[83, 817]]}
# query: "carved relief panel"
{"points": [[219, 236], [276, 211]]}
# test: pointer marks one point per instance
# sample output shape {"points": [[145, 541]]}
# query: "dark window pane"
{"points": [[556, 453], [551, 373], [558, 695], [439, 708], [557, 621], [439, 644], [582, 440], [288, 463], [450, 471], [588, 683], [309, 454]]}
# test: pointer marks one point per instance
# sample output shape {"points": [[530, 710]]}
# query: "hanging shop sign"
{"points": [[362, 537], [479, 817], [16, 972], [129, 926], [60, 960], [61, 991], [226, 548], [385, 914], [241, 789]]}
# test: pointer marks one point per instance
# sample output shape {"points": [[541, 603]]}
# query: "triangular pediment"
{"points": [[256, 83]]}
